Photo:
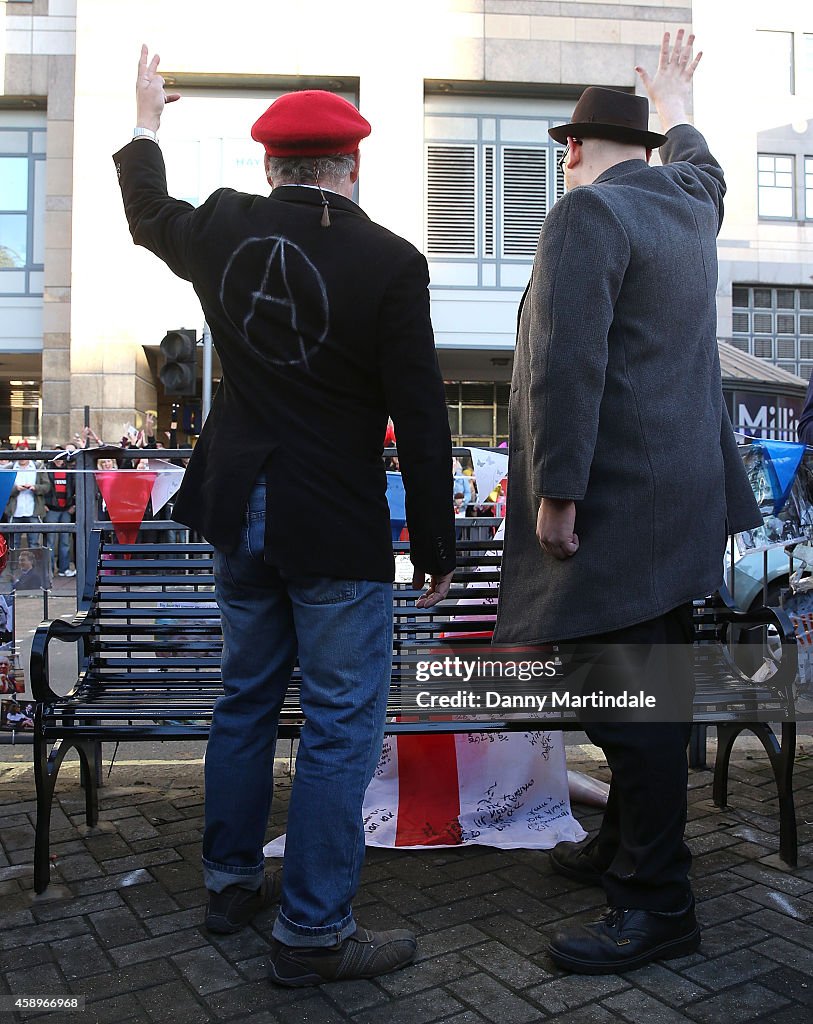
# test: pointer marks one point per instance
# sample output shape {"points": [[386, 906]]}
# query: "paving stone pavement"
{"points": [[121, 923]]}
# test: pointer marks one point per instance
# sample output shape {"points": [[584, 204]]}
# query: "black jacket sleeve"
{"points": [[416, 401], [156, 220]]}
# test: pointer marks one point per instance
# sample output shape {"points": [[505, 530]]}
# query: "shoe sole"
{"points": [[310, 980], [666, 951], [305, 981]]}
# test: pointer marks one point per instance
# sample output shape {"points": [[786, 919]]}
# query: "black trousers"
{"points": [[641, 845]]}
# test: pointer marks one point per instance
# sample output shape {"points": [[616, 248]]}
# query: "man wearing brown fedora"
{"points": [[625, 476]]}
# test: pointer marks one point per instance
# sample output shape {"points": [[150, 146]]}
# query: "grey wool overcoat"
{"points": [[616, 404]]}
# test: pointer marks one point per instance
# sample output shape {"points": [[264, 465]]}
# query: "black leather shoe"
{"points": [[364, 954], [625, 939], [229, 911], [580, 863]]}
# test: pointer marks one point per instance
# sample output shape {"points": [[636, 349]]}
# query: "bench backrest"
{"points": [[154, 648]]}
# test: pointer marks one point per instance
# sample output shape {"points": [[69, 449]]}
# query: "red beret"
{"points": [[310, 123]]}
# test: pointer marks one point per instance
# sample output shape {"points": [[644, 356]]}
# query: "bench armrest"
{"points": [[71, 631], [782, 659]]}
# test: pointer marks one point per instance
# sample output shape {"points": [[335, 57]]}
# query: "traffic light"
{"points": [[178, 374]]}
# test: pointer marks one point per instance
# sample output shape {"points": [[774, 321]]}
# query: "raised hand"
{"points": [[671, 88], [150, 95]]}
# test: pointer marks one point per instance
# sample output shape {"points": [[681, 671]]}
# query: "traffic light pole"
{"points": [[206, 390]]}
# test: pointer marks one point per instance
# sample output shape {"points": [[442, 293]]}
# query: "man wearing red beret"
{"points": [[321, 321]]}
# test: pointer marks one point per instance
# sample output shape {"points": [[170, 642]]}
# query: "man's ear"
{"points": [[267, 165], [354, 174], [574, 153]]}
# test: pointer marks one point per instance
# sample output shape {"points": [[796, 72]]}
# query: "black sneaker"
{"points": [[622, 940], [229, 911], [364, 954]]}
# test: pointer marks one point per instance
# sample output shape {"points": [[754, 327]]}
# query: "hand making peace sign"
{"points": [[150, 95]]}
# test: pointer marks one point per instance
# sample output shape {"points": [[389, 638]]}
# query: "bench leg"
{"points": [[98, 774], [45, 773], [726, 737], [783, 773], [90, 767], [46, 770], [781, 755]]}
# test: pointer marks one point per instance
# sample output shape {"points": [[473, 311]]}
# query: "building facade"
{"points": [[460, 94], [757, 111]]}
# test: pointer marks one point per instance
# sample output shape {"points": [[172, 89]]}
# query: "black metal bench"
{"points": [[149, 643]]}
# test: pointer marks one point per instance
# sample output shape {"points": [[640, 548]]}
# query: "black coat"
{"points": [[322, 333]]}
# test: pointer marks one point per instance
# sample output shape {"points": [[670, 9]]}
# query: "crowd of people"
{"points": [[45, 492], [42, 493]]}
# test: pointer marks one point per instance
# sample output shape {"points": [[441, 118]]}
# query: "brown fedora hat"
{"points": [[609, 114]]}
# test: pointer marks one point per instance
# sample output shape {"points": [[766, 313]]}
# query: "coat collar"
{"points": [[618, 170], [311, 196]]}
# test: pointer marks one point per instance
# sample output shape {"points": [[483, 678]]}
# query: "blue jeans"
{"points": [[33, 540], [62, 561], [342, 632]]}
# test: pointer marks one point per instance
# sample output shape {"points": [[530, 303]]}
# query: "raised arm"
{"points": [[670, 93], [156, 220], [671, 89]]}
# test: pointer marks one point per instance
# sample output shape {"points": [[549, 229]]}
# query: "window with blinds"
{"points": [[524, 199], [451, 183], [487, 200]]}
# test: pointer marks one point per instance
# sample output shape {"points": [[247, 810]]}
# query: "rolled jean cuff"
{"points": [[291, 934], [217, 877]]}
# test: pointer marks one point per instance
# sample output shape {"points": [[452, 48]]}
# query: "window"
{"points": [[775, 55], [210, 147], [806, 64], [490, 182], [775, 323], [451, 177], [775, 186], [809, 187], [478, 412], [22, 210]]}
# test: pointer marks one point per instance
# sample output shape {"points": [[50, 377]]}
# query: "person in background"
{"points": [[16, 718], [60, 507], [26, 502], [462, 482], [29, 575]]}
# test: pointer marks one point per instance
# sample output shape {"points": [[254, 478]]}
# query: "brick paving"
{"points": [[121, 921]]}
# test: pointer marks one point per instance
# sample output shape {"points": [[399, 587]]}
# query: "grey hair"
{"points": [[307, 170]]}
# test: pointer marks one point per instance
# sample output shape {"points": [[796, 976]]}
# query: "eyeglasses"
{"points": [[562, 158]]}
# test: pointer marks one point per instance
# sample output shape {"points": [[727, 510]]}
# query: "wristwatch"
{"points": [[145, 133]]}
